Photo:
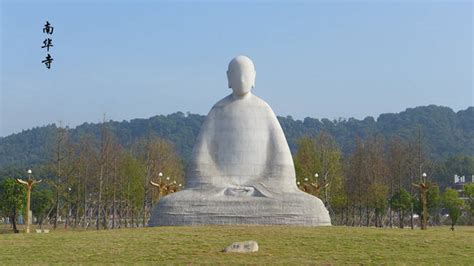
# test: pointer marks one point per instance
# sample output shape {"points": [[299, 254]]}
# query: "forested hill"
{"points": [[445, 132]]}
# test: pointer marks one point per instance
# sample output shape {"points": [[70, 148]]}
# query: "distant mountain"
{"points": [[445, 132]]}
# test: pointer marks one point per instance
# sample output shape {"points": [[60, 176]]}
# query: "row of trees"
{"points": [[95, 182], [381, 183]]}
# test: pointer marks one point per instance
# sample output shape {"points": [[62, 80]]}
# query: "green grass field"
{"points": [[278, 244]]}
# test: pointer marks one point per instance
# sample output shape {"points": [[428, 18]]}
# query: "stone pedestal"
{"points": [[194, 207]]}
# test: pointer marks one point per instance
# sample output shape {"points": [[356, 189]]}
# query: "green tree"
{"points": [[132, 173], [434, 203], [378, 201], [453, 204], [12, 200], [305, 159], [401, 202], [41, 202], [469, 192], [321, 155], [330, 171]]}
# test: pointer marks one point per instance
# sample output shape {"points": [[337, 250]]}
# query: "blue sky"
{"points": [[318, 59]]}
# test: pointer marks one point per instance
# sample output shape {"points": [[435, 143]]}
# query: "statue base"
{"points": [[239, 206]]}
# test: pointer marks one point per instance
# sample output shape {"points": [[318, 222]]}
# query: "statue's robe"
{"points": [[241, 172], [241, 144]]}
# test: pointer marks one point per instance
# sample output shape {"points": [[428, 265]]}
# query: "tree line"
{"points": [[383, 182], [95, 181]]}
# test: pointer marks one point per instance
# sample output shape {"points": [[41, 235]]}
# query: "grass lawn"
{"points": [[278, 244]]}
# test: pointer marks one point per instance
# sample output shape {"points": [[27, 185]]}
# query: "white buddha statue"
{"points": [[241, 170]]}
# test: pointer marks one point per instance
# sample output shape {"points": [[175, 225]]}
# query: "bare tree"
{"points": [[60, 166], [103, 161], [397, 163]]}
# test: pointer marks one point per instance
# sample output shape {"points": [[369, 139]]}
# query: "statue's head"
{"points": [[241, 75]]}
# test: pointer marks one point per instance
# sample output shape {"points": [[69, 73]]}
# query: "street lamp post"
{"points": [[160, 175], [424, 187], [318, 185], [165, 187], [29, 185]]}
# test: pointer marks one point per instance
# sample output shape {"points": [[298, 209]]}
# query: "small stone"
{"points": [[242, 247]]}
